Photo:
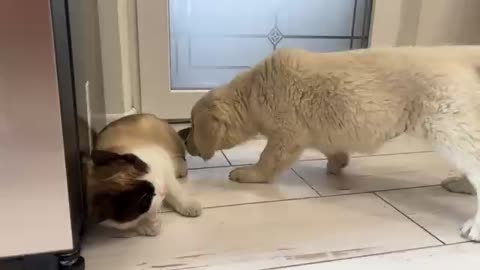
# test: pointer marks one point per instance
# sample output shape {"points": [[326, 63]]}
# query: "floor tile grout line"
{"points": [[409, 218], [252, 203], [211, 167], [380, 190], [264, 202], [225, 156], [368, 156], [309, 197], [305, 181], [293, 266], [306, 160]]}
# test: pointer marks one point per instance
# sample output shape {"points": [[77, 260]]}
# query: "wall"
{"points": [[105, 55], [117, 21], [425, 22], [449, 22], [87, 66]]}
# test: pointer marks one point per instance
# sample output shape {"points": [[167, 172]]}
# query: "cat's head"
{"points": [[116, 191]]}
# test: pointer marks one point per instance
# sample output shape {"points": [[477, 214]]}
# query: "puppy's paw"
{"points": [[471, 230], [458, 184], [337, 162], [192, 208], [247, 174]]}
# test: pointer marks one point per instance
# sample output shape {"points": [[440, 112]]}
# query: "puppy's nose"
{"points": [[191, 149]]}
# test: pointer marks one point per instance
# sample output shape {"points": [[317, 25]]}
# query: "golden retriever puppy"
{"points": [[347, 102]]}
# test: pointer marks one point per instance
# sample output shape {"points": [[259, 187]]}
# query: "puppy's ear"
{"points": [[102, 158], [184, 133], [208, 132]]}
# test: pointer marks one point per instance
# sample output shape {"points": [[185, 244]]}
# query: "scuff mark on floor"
{"points": [[320, 255], [191, 267], [193, 256], [168, 265], [309, 256]]}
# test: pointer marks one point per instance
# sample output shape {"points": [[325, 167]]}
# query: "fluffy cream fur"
{"points": [[347, 102]]}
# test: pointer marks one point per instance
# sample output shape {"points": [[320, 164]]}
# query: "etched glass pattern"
{"points": [[213, 40]]}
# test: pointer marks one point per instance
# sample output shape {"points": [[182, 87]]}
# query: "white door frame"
{"points": [[157, 95]]}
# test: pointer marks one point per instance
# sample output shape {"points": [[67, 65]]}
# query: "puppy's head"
{"points": [[116, 191], [215, 126]]}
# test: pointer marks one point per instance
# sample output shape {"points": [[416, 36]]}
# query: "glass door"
{"points": [[187, 47]]}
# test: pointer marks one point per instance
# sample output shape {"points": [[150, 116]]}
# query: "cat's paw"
{"points": [[192, 208], [181, 169], [149, 227], [248, 174]]}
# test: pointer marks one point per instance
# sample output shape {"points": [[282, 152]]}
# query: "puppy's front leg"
{"points": [[279, 154], [181, 201], [336, 162]]}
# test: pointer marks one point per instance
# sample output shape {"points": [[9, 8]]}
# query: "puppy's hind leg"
{"points": [[458, 138], [471, 228], [458, 184]]}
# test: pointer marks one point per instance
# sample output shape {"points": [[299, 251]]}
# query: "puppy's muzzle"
{"points": [[185, 134]]}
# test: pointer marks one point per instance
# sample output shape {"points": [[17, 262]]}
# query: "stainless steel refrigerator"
{"points": [[41, 192]]}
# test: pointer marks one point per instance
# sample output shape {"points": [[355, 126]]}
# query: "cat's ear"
{"points": [[102, 158], [137, 163]]}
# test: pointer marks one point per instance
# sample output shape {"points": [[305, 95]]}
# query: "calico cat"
{"points": [[134, 167]]}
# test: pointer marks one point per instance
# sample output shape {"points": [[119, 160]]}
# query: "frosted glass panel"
{"points": [[213, 40], [316, 17]]}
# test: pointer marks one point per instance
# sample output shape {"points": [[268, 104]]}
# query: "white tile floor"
{"points": [[386, 211]]}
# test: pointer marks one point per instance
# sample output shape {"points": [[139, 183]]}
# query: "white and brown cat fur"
{"points": [[134, 167]]}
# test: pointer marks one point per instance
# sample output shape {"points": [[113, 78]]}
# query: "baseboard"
{"points": [[110, 117]]}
